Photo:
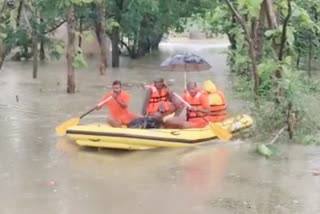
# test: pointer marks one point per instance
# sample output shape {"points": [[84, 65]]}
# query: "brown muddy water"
{"points": [[41, 173]]}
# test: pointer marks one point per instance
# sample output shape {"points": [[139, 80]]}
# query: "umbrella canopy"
{"points": [[185, 62]]}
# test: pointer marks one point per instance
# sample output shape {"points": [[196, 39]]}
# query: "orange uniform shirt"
{"points": [[116, 111]]}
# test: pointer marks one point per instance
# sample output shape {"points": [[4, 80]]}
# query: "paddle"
{"points": [[61, 129], [217, 129]]}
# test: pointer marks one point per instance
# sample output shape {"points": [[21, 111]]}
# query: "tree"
{"points": [[100, 25], [140, 25], [71, 84], [268, 36], [7, 28]]}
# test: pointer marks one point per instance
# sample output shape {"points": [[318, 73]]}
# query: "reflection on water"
{"points": [[40, 173]]}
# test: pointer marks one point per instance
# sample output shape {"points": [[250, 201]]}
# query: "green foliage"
{"points": [[279, 80], [270, 116], [112, 23], [266, 68], [7, 27], [142, 23], [304, 93], [197, 23], [79, 60], [251, 7], [88, 36], [56, 49], [67, 3]]}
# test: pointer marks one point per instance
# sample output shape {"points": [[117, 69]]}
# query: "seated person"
{"points": [[194, 115], [159, 101], [217, 102], [118, 106]]}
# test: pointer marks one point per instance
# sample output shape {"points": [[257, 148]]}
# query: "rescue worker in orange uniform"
{"points": [[217, 102], [158, 101], [118, 106], [199, 108]]}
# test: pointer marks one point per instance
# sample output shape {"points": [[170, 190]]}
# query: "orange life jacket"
{"points": [[156, 98], [194, 102], [218, 106]]}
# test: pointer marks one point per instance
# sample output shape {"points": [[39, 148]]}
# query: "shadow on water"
{"points": [[41, 173]]}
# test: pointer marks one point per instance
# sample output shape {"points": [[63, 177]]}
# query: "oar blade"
{"points": [[221, 132], [61, 129]]}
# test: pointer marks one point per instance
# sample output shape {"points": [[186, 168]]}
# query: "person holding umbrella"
{"points": [[198, 108]]}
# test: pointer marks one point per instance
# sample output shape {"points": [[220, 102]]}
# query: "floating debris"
{"points": [[264, 150]]}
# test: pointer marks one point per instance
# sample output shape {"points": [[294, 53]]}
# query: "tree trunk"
{"points": [[102, 36], [252, 51], [121, 39], [298, 59], [273, 24], [232, 37], [284, 33], [42, 53], [310, 57], [71, 84], [20, 8], [258, 32], [156, 41], [233, 42], [255, 73], [35, 53], [115, 37], [2, 55], [135, 46], [271, 15], [291, 120], [80, 33], [281, 50]]}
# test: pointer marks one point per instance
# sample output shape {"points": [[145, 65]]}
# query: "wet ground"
{"points": [[40, 173]]}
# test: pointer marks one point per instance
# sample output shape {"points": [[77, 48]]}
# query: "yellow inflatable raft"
{"points": [[103, 135]]}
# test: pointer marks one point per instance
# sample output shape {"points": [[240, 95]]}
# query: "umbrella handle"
{"points": [[185, 79], [182, 100]]}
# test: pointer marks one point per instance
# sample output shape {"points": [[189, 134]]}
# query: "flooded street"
{"points": [[41, 173]]}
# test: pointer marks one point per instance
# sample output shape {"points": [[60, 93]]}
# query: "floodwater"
{"points": [[41, 173]]}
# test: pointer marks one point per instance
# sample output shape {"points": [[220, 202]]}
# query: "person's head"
{"points": [[116, 87], [159, 83], [192, 88], [209, 86]]}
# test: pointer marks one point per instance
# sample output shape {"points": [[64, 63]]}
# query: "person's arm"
{"points": [[146, 101], [122, 102], [99, 106], [170, 96], [205, 107]]}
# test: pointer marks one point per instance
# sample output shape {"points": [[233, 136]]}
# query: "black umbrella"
{"points": [[185, 62]]}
